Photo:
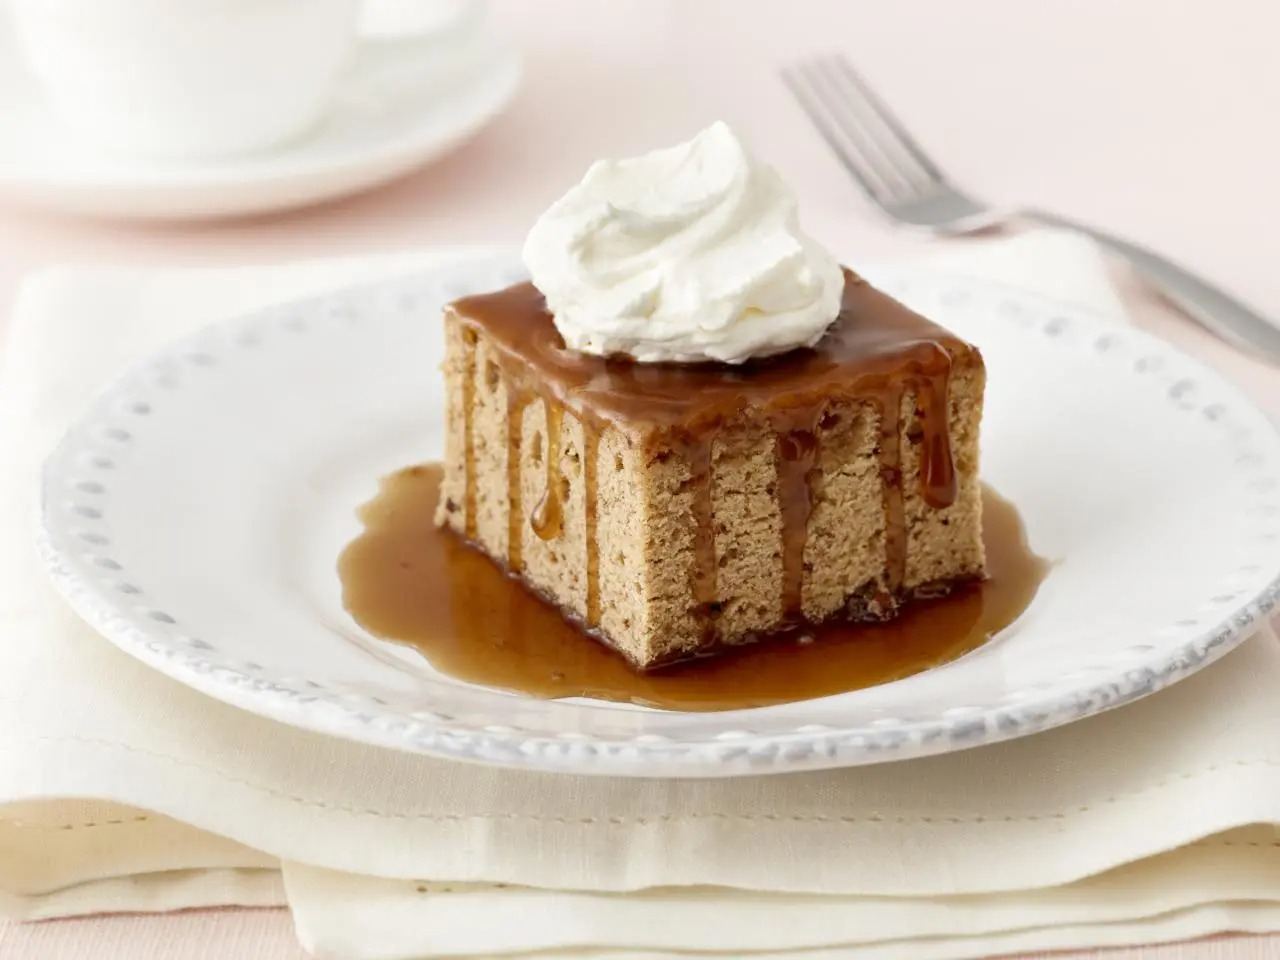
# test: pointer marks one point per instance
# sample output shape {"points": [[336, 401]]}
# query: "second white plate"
{"points": [[396, 110], [196, 512]]}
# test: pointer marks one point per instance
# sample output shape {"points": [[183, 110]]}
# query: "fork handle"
{"points": [[1210, 306]]}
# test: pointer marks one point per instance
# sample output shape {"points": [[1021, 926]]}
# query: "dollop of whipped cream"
{"points": [[687, 254]]}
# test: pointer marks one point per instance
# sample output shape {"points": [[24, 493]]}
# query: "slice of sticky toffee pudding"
{"points": [[674, 508]]}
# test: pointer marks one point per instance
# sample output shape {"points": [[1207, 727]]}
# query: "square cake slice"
{"points": [[675, 509]]}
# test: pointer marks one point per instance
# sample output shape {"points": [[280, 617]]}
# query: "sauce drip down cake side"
{"points": [[674, 509]]}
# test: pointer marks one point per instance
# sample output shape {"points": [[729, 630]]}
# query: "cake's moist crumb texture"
{"points": [[673, 509]]}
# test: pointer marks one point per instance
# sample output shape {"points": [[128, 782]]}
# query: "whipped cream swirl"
{"points": [[687, 254]]}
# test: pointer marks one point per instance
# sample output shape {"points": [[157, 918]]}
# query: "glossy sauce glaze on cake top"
{"points": [[874, 352]]}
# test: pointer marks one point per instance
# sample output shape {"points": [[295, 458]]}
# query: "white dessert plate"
{"points": [[397, 109], [195, 514]]}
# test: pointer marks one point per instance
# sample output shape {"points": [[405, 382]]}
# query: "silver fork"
{"points": [[899, 177]]}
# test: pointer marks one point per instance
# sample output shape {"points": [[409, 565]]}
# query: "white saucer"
{"points": [[391, 116], [194, 516]]}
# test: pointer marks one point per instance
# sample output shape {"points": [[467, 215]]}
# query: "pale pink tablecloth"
{"points": [[1155, 117]]}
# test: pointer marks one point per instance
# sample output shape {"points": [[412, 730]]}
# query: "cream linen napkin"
{"points": [[121, 790]]}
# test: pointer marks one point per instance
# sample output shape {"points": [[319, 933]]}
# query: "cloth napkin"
{"points": [[121, 790]]}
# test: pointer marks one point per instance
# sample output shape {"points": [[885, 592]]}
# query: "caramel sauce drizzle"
{"points": [[517, 400], [548, 515], [470, 344], [547, 520], [797, 456], [895, 527], [938, 483], [590, 463], [875, 352]]}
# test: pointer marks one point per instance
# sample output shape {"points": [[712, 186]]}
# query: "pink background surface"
{"points": [[1155, 118]]}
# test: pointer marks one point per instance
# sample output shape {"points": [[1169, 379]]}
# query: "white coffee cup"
{"points": [[190, 79]]}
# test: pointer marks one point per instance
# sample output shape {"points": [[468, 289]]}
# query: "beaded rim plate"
{"points": [[194, 516]]}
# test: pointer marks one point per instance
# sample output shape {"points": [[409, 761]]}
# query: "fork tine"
{"points": [[858, 121], [802, 80], [888, 119]]}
